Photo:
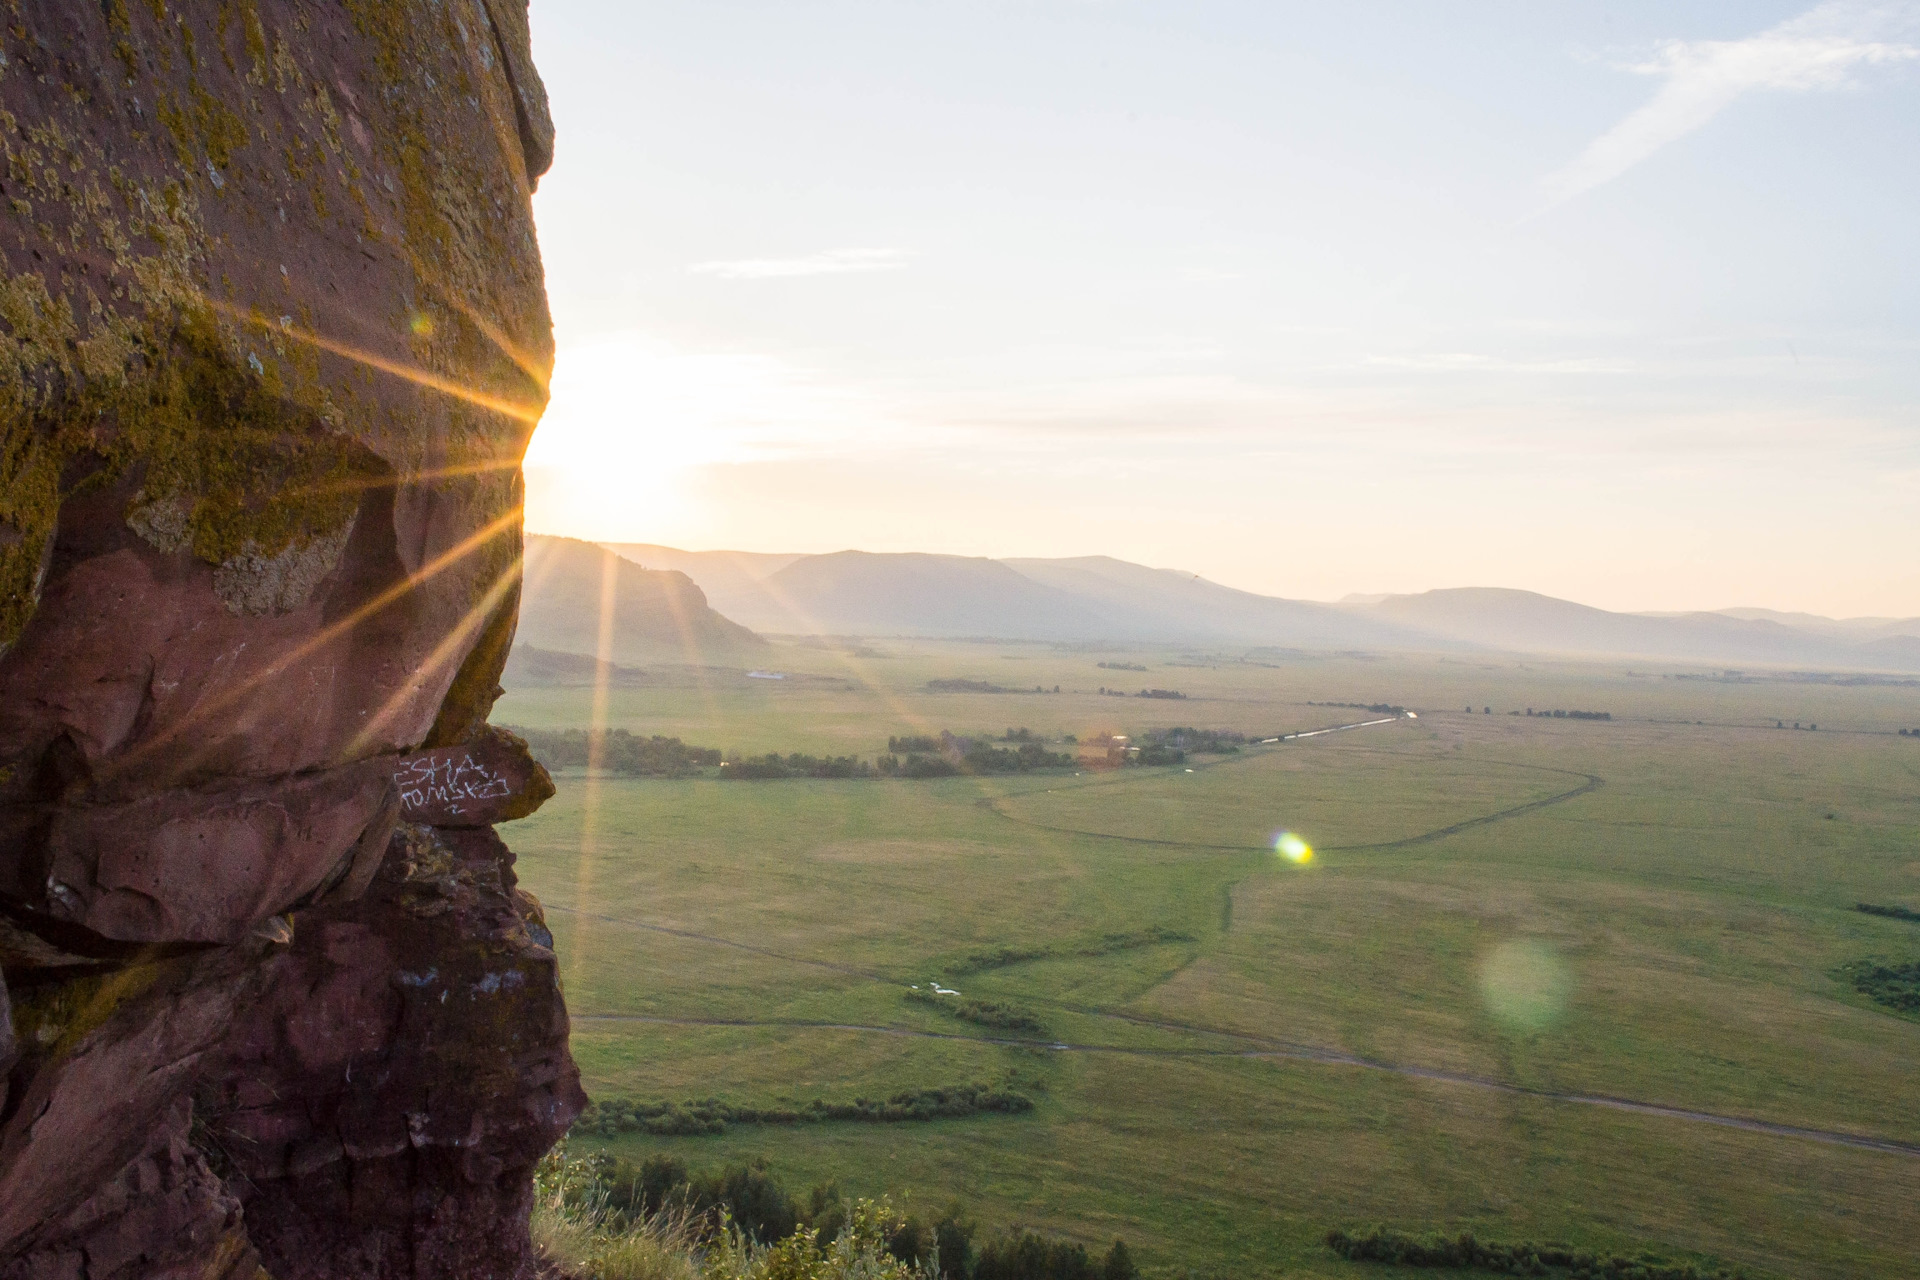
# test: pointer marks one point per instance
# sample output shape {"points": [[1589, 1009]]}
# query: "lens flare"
{"points": [[1293, 848], [1525, 985]]}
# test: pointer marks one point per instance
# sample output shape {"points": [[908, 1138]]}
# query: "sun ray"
{"points": [[583, 885], [522, 411], [240, 690], [451, 649]]}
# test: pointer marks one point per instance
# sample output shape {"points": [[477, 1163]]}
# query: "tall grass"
{"points": [[575, 1230]]}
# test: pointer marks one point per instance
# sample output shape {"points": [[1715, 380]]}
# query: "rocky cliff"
{"points": [[275, 336]]}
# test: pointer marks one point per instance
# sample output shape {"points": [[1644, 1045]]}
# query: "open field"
{"points": [[1417, 1028]]}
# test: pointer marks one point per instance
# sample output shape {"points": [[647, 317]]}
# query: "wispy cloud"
{"points": [[1825, 48], [829, 263]]}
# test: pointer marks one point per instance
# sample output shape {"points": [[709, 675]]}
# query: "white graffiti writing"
{"points": [[445, 783]]}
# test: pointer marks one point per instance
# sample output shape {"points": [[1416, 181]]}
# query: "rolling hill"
{"points": [[655, 615], [1098, 599]]}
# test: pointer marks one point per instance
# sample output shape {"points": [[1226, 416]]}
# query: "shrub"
{"points": [[1892, 913], [1026, 1256], [1897, 986], [1466, 1253], [985, 1013]]}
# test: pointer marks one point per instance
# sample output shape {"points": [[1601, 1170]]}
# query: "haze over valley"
{"points": [[671, 604]]}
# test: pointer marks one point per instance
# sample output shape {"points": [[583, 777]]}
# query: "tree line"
{"points": [[711, 1116], [618, 751]]}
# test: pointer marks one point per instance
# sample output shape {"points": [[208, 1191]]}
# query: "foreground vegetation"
{"points": [[609, 1219], [1243, 1051]]}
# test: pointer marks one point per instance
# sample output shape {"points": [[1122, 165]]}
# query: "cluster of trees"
{"points": [[618, 751], [1203, 741], [1105, 944], [752, 1199], [986, 1013], [1571, 715], [949, 754], [944, 757], [1121, 666], [1910, 733], [710, 1116], [1897, 986], [1162, 693], [1892, 913], [1465, 1253], [1378, 708], [976, 686], [797, 765]]}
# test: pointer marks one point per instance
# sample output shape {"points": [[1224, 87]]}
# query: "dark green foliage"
{"points": [[1105, 944], [1158, 754], [929, 767], [796, 765], [1026, 1256], [982, 757], [1892, 913], [985, 1013], [753, 1199], [1163, 693], [967, 686], [620, 752], [1897, 986], [750, 1194], [710, 1116], [913, 742], [1465, 1253], [1378, 708], [1573, 715], [1202, 741]]}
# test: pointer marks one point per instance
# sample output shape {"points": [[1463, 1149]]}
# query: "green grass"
{"points": [[1696, 910]]}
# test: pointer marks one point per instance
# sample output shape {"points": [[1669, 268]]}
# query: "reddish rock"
{"points": [[490, 778], [385, 1101], [273, 336]]}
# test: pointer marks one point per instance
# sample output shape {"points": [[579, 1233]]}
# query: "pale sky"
{"points": [[1614, 301]]}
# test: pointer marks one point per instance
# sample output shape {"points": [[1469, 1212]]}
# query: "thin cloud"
{"points": [[832, 262], [1822, 49]]}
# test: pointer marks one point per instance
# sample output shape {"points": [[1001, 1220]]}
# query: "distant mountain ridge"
{"points": [[653, 615], [1096, 599]]}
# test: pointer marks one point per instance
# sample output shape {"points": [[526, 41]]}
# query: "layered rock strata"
{"points": [[273, 336]]}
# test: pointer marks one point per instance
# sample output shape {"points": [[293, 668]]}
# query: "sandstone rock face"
{"points": [[273, 336]]}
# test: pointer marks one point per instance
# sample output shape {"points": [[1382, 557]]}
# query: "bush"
{"points": [[1465, 1253], [1891, 913], [985, 1013], [709, 1117], [1104, 945], [1896, 986], [1026, 1256]]}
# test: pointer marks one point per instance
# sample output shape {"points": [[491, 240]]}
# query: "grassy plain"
{"points": [[1222, 1102]]}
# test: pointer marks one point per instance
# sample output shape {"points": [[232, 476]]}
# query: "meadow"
{"points": [[1543, 979]]}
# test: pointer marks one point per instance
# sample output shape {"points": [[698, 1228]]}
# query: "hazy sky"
{"points": [[1615, 301]]}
